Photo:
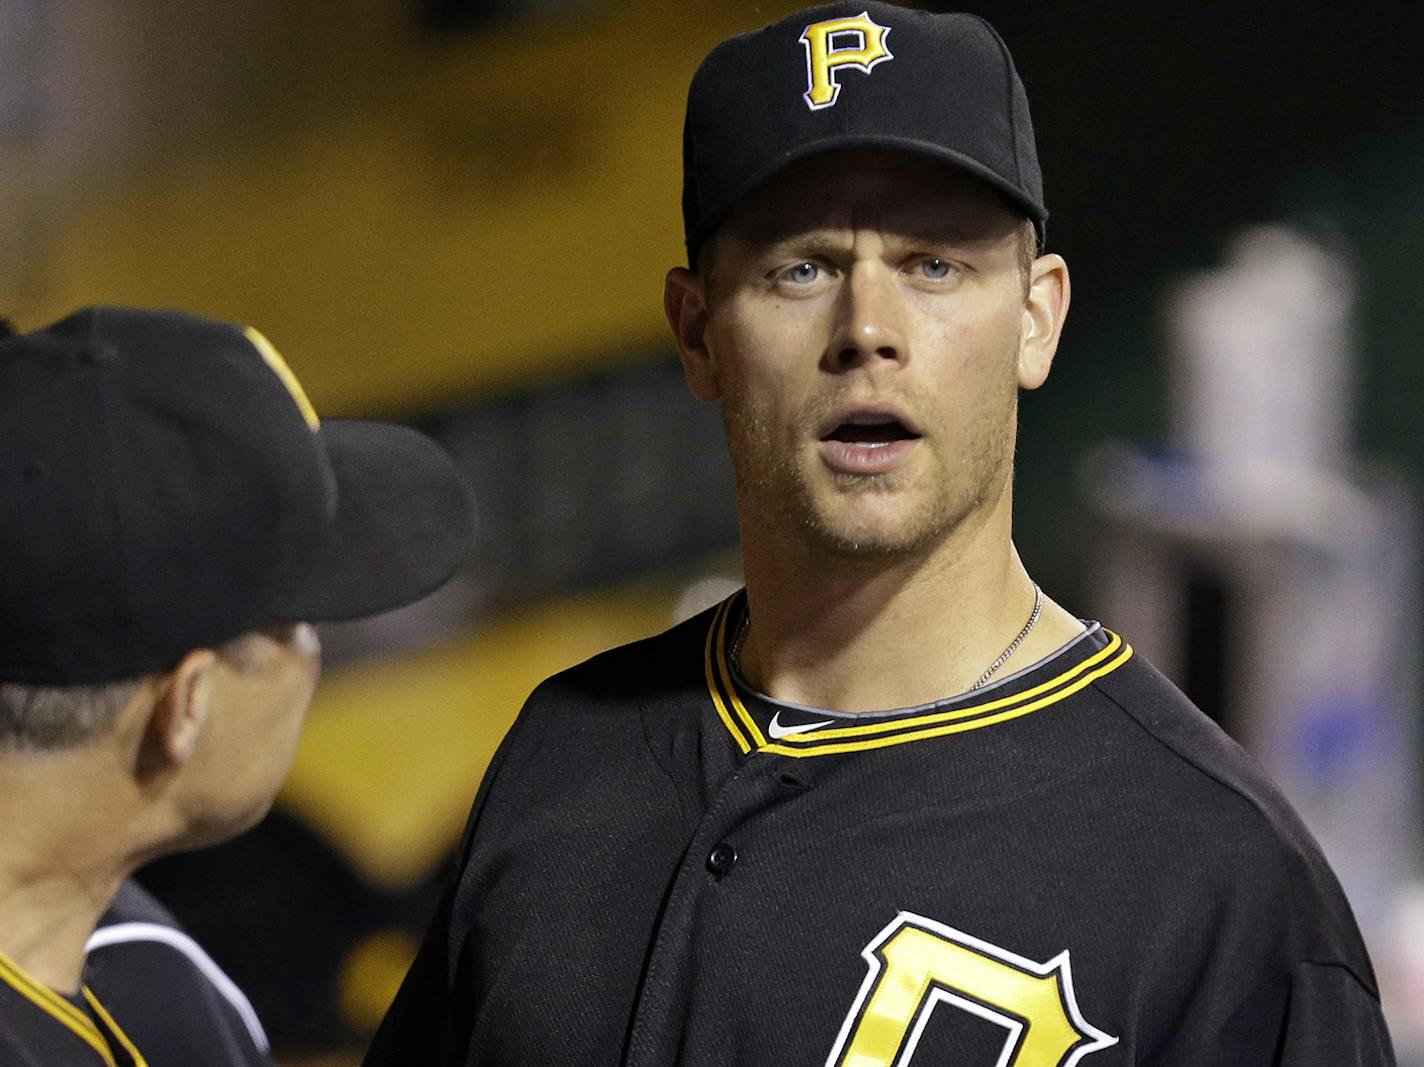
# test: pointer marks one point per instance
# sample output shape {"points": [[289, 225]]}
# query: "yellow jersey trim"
{"points": [[724, 675], [114, 1028], [885, 732], [714, 640], [52, 1004]]}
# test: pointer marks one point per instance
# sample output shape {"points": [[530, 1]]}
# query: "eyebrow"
{"points": [[837, 239], [811, 242]]}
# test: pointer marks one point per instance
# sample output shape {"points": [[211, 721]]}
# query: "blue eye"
{"points": [[934, 268], [803, 273]]}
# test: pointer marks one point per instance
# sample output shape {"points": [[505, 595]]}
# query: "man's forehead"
{"points": [[892, 191]]}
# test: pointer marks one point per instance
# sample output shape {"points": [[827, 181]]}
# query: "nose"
{"points": [[869, 322]]}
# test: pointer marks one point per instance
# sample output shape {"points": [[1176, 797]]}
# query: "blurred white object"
{"points": [[1402, 982], [1260, 561], [1262, 369]]}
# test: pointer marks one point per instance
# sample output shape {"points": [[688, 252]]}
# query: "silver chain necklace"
{"points": [[734, 654], [1014, 644]]}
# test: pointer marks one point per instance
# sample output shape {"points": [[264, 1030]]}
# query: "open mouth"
{"points": [[870, 430]]}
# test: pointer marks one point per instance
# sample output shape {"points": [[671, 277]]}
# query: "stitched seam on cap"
{"points": [[106, 388], [1009, 94]]}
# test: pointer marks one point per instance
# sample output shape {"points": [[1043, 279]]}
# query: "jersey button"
{"points": [[721, 859]]}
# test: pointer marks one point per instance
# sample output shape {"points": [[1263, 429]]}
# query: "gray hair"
{"points": [[46, 718], [42, 718]]}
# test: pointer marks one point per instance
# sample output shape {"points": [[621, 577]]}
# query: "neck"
{"points": [[58, 865], [857, 635]]}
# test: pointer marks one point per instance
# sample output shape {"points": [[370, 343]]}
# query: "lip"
{"points": [[880, 457]]}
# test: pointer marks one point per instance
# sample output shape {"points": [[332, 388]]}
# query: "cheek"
{"points": [[975, 355], [766, 360], [292, 714], [284, 700], [973, 387]]}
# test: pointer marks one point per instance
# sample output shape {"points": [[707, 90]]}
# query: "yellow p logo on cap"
{"points": [[274, 359], [864, 48]]}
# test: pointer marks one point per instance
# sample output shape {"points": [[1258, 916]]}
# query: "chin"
{"points": [[850, 545], [878, 537], [873, 518], [891, 518]]}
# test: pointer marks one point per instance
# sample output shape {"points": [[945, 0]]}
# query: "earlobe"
{"points": [[181, 711], [685, 304], [1044, 309]]}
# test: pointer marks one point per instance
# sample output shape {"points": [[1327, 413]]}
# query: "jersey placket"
{"points": [[725, 840]]}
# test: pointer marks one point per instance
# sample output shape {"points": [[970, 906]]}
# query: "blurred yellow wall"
{"points": [[410, 220]]}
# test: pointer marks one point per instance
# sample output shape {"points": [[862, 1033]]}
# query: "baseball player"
{"points": [[890, 805], [173, 515]]}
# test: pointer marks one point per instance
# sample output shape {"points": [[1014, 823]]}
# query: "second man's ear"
{"points": [[685, 303], [181, 712]]}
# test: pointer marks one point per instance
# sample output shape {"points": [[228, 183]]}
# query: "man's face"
{"points": [[864, 313]]}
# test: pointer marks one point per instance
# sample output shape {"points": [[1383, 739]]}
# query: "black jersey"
{"points": [[1072, 866], [41, 1028], [150, 998], [171, 998]]}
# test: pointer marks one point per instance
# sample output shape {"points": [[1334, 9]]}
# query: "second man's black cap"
{"points": [[851, 75], [166, 485]]}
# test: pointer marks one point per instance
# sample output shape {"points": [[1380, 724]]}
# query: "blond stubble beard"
{"points": [[776, 498]]}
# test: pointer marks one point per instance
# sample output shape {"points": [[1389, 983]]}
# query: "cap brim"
{"points": [[404, 523], [1016, 196]]}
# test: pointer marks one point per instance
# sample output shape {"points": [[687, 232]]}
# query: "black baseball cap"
{"points": [[855, 75], [165, 485]]}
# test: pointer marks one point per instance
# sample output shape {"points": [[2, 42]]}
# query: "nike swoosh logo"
{"points": [[778, 731]]}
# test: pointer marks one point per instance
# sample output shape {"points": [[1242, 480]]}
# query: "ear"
{"points": [[685, 302], [1045, 307], [181, 711]]}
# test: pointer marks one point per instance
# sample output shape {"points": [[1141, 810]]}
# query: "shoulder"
{"points": [[141, 963], [585, 723], [1226, 808], [1177, 738], [136, 923]]}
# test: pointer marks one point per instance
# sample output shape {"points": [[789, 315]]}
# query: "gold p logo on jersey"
{"points": [[916, 964], [858, 43]]}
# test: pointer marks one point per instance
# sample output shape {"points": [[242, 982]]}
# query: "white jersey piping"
{"points": [[123, 933]]}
